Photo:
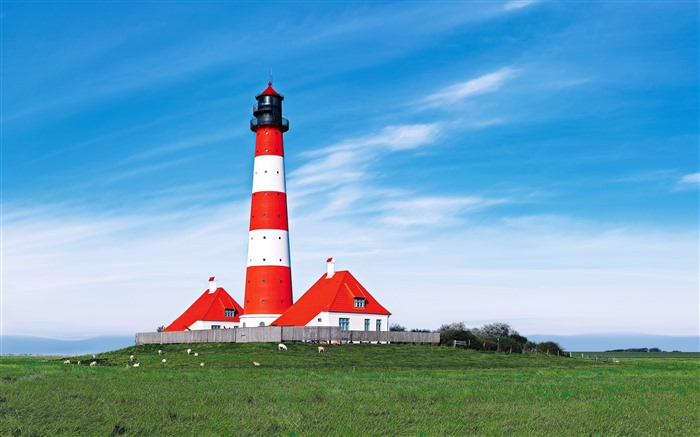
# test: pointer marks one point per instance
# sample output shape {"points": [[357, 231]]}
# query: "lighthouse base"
{"points": [[257, 320]]}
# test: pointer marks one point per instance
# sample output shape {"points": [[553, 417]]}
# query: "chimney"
{"points": [[212, 284], [330, 264]]}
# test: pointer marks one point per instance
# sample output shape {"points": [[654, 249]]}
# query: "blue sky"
{"points": [[528, 162]]}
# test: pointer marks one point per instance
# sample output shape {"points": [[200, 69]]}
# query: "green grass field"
{"points": [[357, 390]]}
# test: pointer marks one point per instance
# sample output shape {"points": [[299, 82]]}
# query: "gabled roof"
{"points": [[209, 306], [335, 294]]}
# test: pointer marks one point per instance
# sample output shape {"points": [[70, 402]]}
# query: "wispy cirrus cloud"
{"points": [[433, 210], [690, 181], [391, 138], [350, 162], [517, 4], [486, 83]]}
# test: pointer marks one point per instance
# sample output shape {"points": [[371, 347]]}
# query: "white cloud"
{"points": [[517, 4], [483, 84], [408, 136], [433, 210], [392, 138], [544, 274], [76, 272], [691, 180]]}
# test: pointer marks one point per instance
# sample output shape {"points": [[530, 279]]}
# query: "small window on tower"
{"points": [[360, 302], [230, 312]]}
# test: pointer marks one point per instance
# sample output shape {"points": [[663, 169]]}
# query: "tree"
{"points": [[498, 329], [161, 328], [397, 327]]}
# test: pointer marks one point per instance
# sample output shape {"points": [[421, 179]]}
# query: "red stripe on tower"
{"points": [[268, 288]]}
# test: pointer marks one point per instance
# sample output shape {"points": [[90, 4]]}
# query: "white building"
{"points": [[337, 299]]}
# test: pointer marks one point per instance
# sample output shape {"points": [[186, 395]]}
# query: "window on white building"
{"points": [[215, 326], [344, 323], [366, 324], [228, 312], [360, 302], [379, 324]]}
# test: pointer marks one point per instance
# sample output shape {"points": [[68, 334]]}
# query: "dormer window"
{"points": [[360, 302], [229, 312]]}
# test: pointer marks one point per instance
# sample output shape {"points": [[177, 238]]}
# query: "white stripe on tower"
{"points": [[268, 173]]}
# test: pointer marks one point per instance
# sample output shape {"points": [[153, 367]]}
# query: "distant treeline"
{"points": [[499, 337], [638, 349]]}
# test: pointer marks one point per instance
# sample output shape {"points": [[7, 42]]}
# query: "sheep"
{"points": [[321, 350], [336, 342], [281, 347], [94, 356], [256, 364], [201, 364], [160, 352], [196, 354], [66, 362], [137, 364], [78, 362], [131, 358], [164, 360], [189, 351], [94, 363]]}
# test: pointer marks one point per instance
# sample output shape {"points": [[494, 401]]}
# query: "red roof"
{"points": [[335, 294], [209, 306], [269, 91]]}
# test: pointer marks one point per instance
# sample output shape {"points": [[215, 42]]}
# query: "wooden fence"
{"points": [[279, 334]]}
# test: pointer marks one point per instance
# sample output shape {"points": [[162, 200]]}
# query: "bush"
{"points": [[457, 331], [549, 347]]}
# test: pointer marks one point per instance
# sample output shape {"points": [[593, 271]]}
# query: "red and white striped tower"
{"points": [[268, 288]]}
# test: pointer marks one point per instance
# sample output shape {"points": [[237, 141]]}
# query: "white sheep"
{"points": [[282, 347], [94, 363], [137, 364], [256, 364], [201, 364], [196, 354], [94, 356], [160, 352], [189, 351], [78, 362], [131, 358], [321, 350], [164, 360], [66, 362]]}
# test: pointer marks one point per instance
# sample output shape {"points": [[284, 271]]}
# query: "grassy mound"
{"points": [[351, 390]]}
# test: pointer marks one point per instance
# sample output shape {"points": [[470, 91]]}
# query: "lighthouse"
{"points": [[268, 286]]}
